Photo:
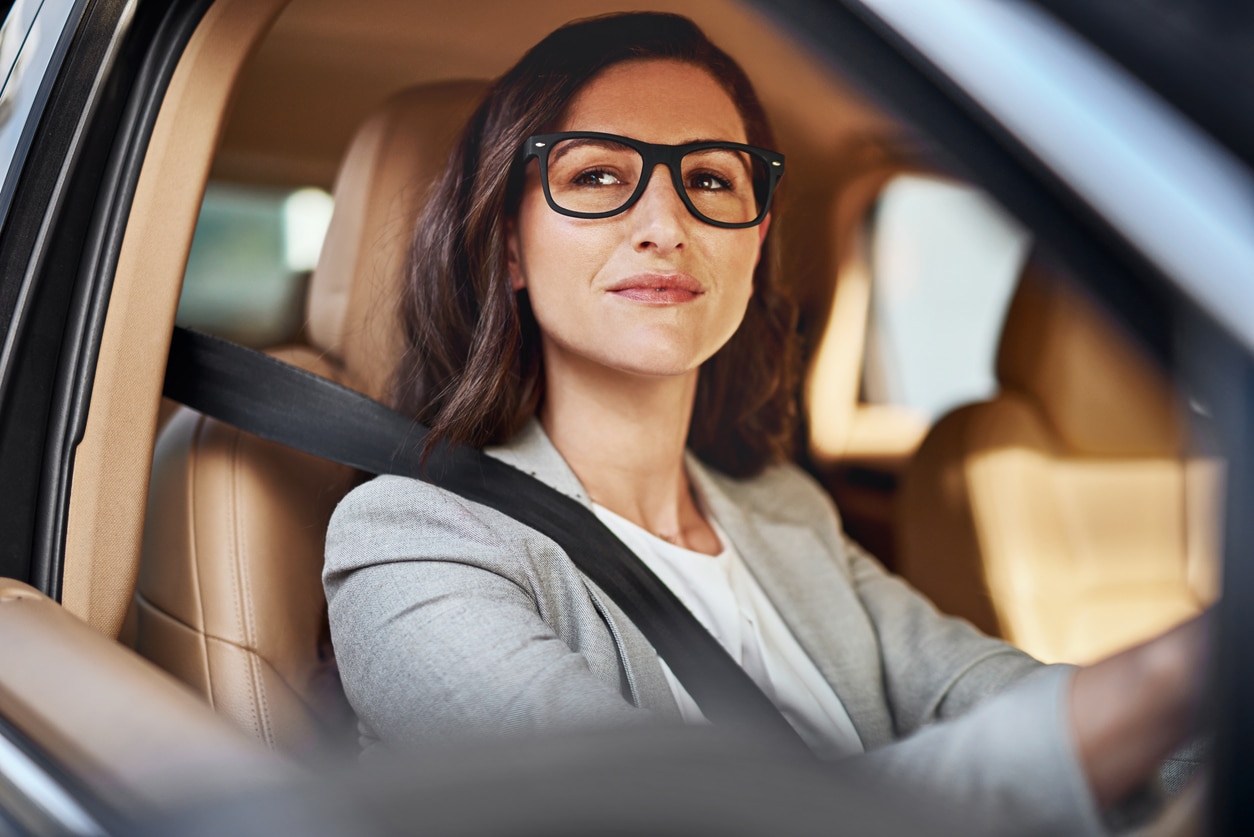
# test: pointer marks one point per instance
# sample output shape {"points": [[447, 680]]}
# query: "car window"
{"points": [[243, 253], [250, 262], [944, 260]]}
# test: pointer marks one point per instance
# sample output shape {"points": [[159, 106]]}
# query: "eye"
{"points": [[708, 182], [596, 177]]}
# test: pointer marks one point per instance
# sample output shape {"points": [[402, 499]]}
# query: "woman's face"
{"points": [[593, 284]]}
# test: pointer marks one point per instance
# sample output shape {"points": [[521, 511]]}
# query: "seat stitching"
{"points": [[149, 603], [259, 689], [234, 563], [207, 637], [193, 460]]}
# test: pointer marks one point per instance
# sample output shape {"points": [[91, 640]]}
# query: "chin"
{"points": [[656, 370], [659, 359]]}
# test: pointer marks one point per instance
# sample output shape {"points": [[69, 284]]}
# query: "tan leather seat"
{"points": [[847, 437], [229, 596], [1064, 514]]}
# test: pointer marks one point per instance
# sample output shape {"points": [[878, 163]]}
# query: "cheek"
{"points": [[531, 233], [739, 261], [556, 249], [740, 265]]}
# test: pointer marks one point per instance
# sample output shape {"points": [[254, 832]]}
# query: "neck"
{"points": [[624, 437]]}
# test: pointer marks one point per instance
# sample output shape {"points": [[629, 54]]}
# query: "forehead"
{"points": [[655, 100]]}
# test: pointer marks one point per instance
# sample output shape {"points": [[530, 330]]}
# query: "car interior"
{"points": [[1061, 504]]}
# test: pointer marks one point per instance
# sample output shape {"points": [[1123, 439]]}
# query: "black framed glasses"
{"points": [[587, 174]]}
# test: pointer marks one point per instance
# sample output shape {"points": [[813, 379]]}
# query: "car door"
{"points": [[88, 731]]}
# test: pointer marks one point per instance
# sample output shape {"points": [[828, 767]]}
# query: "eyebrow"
{"points": [[556, 153], [748, 168]]}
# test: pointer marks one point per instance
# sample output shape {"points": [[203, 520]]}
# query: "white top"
{"points": [[725, 598]]}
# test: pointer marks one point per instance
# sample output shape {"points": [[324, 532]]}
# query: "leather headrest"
{"points": [[391, 161], [1099, 392]]}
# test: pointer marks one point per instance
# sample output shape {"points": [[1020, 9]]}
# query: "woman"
{"points": [[601, 310]]}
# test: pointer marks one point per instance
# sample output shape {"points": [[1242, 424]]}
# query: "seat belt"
{"points": [[254, 392]]}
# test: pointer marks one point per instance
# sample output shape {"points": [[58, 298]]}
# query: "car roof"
{"points": [[321, 69]]}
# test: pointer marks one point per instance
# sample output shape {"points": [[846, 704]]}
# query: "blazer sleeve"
{"points": [[1007, 749], [935, 666], [1004, 752], [437, 622], [1009, 764]]}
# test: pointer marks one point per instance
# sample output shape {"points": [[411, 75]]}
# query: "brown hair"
{"points": [[471, 366]]}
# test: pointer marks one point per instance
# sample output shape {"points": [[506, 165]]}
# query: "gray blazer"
{"points": [[451, 619]]}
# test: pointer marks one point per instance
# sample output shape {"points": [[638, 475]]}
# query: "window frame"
{"points": [[58, 250]]}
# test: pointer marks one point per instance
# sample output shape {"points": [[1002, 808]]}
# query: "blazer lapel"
{"points": [[532, 452], [810, 587]]}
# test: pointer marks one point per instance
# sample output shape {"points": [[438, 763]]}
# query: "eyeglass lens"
{"points": [[598, 175]]}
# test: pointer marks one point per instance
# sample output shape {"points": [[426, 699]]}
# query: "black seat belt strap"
{"points": [[256, 393]]}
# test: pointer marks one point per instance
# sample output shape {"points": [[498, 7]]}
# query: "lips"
{"points": [[658, 288]]}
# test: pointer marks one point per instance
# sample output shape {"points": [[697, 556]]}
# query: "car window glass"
{"points": [[945, 259], [251, 258], [28, 43]]}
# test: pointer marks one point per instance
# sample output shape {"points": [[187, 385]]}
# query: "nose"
{"points": [[660, 218]]}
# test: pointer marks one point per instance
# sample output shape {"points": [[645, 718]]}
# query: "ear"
{"points": [[763, 228], [513, 259]]}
